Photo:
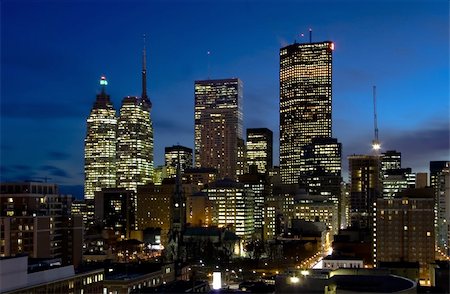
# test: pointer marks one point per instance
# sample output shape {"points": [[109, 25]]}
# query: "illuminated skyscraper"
{"points": [[305, 101], [260, 149], [135, 139], [171, 157], [218, 124], [100, 145]]}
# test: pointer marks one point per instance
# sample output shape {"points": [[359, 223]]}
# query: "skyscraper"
{"points": [[100, 145], [320, 170], [174, 154], [135, 139], [260, 149], [305, 101], [218, 124]]}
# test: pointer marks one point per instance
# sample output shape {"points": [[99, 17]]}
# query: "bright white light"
{"points": [[305, 273], [376, 146], [217, 280], [294, 280]]}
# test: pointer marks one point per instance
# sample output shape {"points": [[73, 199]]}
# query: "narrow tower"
{"points": [[100, 145], [376, 146], [135, 138]]}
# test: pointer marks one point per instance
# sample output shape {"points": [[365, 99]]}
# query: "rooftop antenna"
{"points": [[144, 70], [209, 64], [375, 143], [310, 35]]}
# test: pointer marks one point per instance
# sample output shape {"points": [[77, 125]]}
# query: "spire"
{"points": [[103, 83], [144, 73]]}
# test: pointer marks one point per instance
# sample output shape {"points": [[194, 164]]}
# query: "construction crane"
{"points": [[376, 146]]}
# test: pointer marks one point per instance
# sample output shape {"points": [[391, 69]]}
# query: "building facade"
{"points": [[174, 154], [218, 124], [404, 229], [305, 101], [233, 207], [100, 145], [135, 139], [260, 149], [364, 172]]}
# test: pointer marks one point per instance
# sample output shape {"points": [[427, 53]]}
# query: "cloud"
{"points": [[418, 147], [54, 171]]}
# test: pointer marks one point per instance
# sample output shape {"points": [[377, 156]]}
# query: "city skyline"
{"points": [[401, 48]]}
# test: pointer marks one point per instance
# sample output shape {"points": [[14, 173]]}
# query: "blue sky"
{"points": [[53, 53]]}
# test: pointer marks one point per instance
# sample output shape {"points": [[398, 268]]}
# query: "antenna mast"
{"points": [[375, 143]]}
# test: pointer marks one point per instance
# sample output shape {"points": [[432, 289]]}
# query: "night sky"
{"points": [[54, 52]]}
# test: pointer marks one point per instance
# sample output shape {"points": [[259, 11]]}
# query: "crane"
{"points": [[376, 146]]}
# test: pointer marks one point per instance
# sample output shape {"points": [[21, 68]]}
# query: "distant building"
{"points": [[135, 139], [200, 177], [305, 102], [100, 145], [421, 180], [260, 149], [218, 124], [154, 208], [259, 184], [404, 229], [199, 210], [365, 188], [320, 172], [241, 164], [396, 180], [318, 209], [159, 173], [174, 154]]}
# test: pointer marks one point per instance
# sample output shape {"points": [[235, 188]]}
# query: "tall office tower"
{"points": [[260, 149], [171, 157], [364, 172], [100, 145], [390, 160], [135, 139], [218, 124], [305, 101], [320, 170], [404, 229]]}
